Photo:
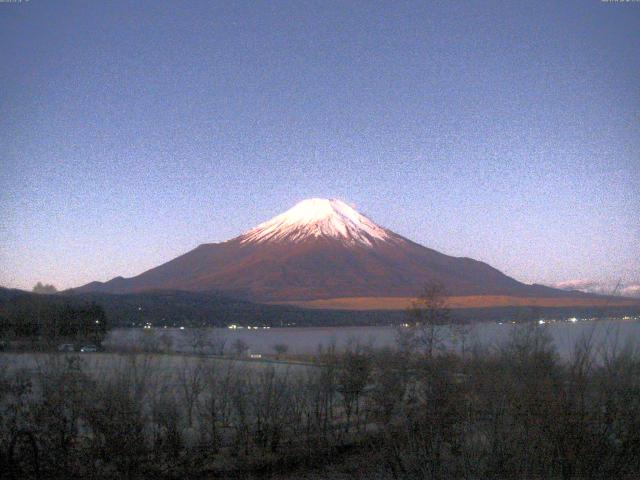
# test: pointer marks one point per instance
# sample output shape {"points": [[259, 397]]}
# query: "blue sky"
{"points": [[131, 132]]}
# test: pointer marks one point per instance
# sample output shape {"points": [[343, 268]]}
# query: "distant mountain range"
{"points": [[323, 253]]}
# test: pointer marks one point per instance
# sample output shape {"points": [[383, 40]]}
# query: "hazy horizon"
{"points": [[133, 132]]}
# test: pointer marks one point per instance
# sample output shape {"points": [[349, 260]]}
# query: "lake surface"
{"points": [[299, 340]]}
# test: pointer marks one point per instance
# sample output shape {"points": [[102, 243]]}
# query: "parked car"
{"points": [[89, 349], [66, 347]]}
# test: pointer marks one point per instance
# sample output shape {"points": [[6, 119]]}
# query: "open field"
{"points": [[471, 301], [98, 364]]}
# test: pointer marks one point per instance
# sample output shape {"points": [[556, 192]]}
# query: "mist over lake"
{"points": [[613, 332]]}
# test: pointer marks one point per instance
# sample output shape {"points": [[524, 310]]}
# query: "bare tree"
{"points": [[281, 349], [192, 383], [428, 313], [217, 341], [198, 341], [461, 331], [149, 341], [240, 347], [389, 380], [353, 377], [214, 410], [167, 342]]}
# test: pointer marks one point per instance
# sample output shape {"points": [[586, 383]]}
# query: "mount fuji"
{"points": [[322, 251]]}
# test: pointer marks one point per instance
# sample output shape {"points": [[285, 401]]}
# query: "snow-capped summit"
{"points": [[324, 249], [318, 217]]}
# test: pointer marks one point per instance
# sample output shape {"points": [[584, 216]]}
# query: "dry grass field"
{"points": [[472, 301]]}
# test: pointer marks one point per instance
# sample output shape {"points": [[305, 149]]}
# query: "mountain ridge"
{"points": [[321, 249]]}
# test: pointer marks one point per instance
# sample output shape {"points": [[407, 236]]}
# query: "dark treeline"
{"points": [[177, 308], [513, 411], [213, 309], [50, 318]]}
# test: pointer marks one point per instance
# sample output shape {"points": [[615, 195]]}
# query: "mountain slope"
{"points": [[321, 249]]}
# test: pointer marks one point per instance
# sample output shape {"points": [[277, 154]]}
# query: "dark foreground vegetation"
{"points": [[414, 412]]}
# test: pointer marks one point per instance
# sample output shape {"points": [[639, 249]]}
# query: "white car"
{"points": [[89, 349]]}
